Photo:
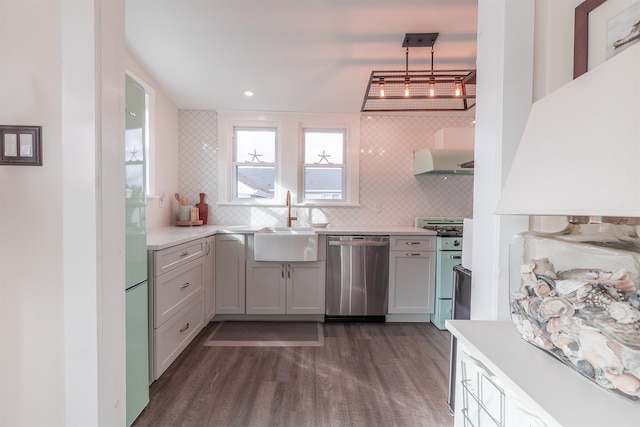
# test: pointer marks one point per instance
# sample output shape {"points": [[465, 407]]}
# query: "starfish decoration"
{"points": [[324, 157], [254, 156], [134, 154]]}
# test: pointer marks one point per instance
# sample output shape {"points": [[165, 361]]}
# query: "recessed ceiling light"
{"points": [[248, 92]]}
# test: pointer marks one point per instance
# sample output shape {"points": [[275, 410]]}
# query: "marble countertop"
{"points": [[164, 237]]}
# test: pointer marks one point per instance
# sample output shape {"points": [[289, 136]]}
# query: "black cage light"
{"points": [[425, 90]]}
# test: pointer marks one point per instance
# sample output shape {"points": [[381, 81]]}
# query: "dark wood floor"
{"points": [[366, 374]]}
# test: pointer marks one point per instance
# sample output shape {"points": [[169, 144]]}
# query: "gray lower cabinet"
{"points": [[285, 287], [412, 270], [230, 274], [305, 287], [209, 279], [176, 301]]}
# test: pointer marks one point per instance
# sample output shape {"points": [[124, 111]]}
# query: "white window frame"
{"points": [[288, 154], [236, 163], [343, 166], [149, 143]]}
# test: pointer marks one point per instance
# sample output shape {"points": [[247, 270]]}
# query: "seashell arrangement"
{"points": [[587, 318]]}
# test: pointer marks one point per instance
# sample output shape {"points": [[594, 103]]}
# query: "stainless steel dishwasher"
{"points": [[357, 278]]}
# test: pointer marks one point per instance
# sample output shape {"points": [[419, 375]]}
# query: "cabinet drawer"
{"points": [[174, 335], [175, 256], [176, 288], [412, 243]]}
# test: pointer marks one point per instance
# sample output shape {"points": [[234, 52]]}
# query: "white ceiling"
{"points": [[296, 55]]}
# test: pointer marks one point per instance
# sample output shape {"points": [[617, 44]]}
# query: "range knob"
{"points": [[457, 242]]}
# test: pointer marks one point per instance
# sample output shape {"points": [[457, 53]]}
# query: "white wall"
{"points": [[553, 67], [165, 151], [62, 228], [505, 54], [31, 246]]}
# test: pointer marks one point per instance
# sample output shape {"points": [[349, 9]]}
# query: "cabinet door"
{"points": [[305, 287], [209, 280], [230, 274], [411, 282], [266, 285]]}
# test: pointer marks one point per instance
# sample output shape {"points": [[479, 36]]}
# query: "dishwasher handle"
{"points": [[358, 243]]}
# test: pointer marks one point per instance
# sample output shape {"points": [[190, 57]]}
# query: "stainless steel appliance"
{"points": [[448, 255], [357, 278], [461, 310]]}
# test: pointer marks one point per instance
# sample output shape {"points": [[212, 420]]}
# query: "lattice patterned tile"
{"points": [[386, 179]]}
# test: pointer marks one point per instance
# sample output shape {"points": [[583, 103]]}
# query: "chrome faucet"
{"points": [[289, 217]]}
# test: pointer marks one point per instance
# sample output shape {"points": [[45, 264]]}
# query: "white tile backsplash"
{"points": [[389, 192]]}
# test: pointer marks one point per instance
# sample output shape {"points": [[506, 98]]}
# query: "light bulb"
{"points": [[458, 88], [432, 89], [406, 86], [381, 87]]}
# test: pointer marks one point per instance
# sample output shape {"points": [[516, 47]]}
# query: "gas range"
{"points": [[444, 227]]}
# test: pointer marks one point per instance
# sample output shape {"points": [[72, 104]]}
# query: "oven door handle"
{"points": [[455, 256]]}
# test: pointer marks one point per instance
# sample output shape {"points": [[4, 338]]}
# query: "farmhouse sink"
{"points": [[285, 244]]}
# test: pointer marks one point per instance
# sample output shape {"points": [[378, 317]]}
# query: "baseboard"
{"points": [[268, 318], [416, 318]]}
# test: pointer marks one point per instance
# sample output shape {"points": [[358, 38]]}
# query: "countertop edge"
{"points": [[165, 237]]}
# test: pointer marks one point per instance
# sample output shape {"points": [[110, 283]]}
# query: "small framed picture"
{"points": [[20, 145], [602, 29]]}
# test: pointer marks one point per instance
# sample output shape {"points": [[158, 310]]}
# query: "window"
{"points": [[136, 147], [262, 156], [324, 164], [254, 163], [140, 115]]}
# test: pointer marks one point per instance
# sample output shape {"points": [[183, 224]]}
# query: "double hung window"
{"points": [[324, 165], [254, 163], [262, 156]]}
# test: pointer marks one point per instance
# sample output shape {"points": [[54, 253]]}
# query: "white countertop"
{"points": [[559, 395], [391, 231], [164, 237]]}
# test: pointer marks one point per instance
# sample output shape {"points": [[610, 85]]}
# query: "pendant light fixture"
{"points": [[425, 90], [406, 75]]}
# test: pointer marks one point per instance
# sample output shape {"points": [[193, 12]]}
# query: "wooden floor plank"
{"points": [[366, 374]]}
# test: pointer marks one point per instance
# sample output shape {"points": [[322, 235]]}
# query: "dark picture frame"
{"points": [[581, 36], [20, 145]]}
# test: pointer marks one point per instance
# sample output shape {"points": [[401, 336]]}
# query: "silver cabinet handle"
{"points": [[455, 257], [412, 243], [184, 328], [208, 246], [186, 285], [282, 270], [289, 271], [184, 254], [412, 254]]}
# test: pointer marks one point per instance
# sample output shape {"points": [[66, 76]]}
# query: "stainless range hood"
{"points": [[443, 161]]}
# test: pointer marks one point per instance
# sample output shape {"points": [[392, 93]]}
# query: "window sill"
{"points": [[295, 205]]}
